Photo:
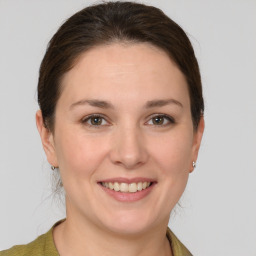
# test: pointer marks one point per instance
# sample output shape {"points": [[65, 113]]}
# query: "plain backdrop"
{"points": [[217, 215]]}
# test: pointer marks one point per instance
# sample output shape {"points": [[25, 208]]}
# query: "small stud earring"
{"points": [[53, 167], [194, 164]]}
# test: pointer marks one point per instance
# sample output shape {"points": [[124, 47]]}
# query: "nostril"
{"points": [[128, 150]]}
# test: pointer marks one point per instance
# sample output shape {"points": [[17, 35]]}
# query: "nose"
{"points": [[129, 149]]}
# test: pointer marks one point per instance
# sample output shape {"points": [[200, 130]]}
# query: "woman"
{"points": [[121, 119]]}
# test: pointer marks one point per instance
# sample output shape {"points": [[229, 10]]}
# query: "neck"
{"points": [[79, 237]]}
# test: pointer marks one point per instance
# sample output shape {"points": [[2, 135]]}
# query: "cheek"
{"points": [[173, 153], [172, 157], [78, 154]]}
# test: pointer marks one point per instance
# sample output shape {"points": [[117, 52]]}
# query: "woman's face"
{"points": [[123, 122]]}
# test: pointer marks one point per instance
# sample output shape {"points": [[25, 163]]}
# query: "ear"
{"points": [[198, 134], [47, 139]]}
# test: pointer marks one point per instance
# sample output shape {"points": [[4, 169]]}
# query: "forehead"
{"points": [[127, 71]]}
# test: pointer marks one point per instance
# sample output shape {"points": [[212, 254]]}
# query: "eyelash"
{"points": [[170, 119]]}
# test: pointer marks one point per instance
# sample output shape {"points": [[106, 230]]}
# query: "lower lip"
{"points": [[128, 197]]}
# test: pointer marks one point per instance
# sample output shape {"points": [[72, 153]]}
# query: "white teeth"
{"points": [[125, 187], [139, 186], [133, 187], [116, 186], [111, 185], [144, 185]]}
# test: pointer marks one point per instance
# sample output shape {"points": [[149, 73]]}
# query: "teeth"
{"points": [[116, 186], [111, 185], [125, 187], [133, 187], [139, 186]]}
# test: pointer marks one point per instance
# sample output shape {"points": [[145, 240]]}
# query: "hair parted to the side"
{"points": [[101, 24]]}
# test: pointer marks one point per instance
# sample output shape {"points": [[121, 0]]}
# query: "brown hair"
{"points": [[115, 22]]}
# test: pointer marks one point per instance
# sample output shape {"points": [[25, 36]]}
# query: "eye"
{"points": [[161, 120], [94, 120]]}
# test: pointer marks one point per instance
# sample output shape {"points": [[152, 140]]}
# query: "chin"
{"points": [[130, 223]]}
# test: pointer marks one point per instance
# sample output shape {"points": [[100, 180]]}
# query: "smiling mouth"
{"points": [[126, 187]]}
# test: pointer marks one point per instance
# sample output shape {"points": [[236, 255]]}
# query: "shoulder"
{"points": [[178, 248], [34, 248], [41, 246]]}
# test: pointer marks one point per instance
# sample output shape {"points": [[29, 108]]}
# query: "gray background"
{"points": [[218, 213]]}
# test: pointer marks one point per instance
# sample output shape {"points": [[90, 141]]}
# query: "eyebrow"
{"points": [[94, 103], [107, 105], [162, 103]]}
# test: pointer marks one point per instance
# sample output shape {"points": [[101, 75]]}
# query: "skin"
{"points": [[128, 143]]}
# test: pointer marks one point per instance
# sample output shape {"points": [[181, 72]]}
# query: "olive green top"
{"points": [[44, 246]]}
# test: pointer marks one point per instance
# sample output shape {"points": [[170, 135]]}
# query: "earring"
{"points": [[194, 164], [53, 167]]}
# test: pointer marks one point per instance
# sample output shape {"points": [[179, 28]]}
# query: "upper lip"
{"points": [[127, 180]]}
